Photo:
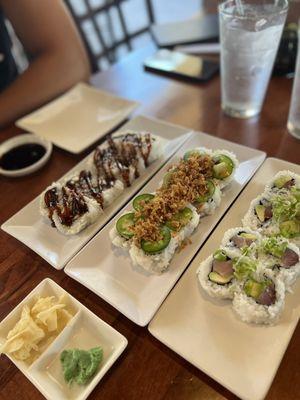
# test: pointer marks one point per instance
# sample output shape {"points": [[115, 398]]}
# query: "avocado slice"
{"points": [[220, 255], [220, 171], [248, 236], [290, 228], [223, 167], [260, 211], [217, 278], [281, 181], [253, 288]]}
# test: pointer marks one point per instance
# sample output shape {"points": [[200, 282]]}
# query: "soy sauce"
{"points": [[22, 156]]}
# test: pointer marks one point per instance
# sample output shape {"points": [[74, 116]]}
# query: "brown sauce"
{"points": [[123, 155], [22, 156]]}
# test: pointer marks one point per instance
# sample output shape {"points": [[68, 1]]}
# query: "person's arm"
{"points": [[59, 60]]}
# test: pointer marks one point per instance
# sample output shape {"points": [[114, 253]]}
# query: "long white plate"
{"points": [[108, 272], [241, 357], [36, 232], [84, 331], [78, 118]]}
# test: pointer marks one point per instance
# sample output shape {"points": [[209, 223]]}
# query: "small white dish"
{"points": [[78, 118], [57, 249], [243, 358], [23, 139], [108, 271], [84, 331]]}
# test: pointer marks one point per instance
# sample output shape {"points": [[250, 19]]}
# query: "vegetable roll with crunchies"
{"points": [[162, 221], [225, 164]]}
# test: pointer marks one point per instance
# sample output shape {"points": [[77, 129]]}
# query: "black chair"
{"points": [[104, 38]]}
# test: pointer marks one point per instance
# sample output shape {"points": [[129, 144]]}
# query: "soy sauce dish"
{"points": [[23, 155]]}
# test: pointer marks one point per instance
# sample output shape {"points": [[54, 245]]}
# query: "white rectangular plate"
{"points": [[243, 358], [36, 232], [108, 272], [78, 118], [84, 331]]}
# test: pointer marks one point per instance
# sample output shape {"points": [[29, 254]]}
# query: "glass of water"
{"points": [[250, 32], [294, 114]]}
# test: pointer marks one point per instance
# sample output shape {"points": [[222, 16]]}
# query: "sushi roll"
{"points": [[283, 181], [276, 214], [216, 274], [260, 300], [224, 163], [283, 257], [156, 256], [243, 239], [121, 234], [224, 168], [162, 221], [68, 211], [78, 201], [207, 204]]}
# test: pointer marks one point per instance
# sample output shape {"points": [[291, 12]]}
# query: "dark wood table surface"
{"points": [[147, 369]]}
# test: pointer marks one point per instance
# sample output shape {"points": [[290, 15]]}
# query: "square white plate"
{"points": [[108, 272], [78, 118], [84, 331], [243, 358], [28, 226]]}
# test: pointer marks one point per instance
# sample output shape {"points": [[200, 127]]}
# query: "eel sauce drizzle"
{"points": [[121, 154]]}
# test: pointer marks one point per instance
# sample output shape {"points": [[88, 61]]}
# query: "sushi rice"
{"points": [[250, 311], [214, 289]]}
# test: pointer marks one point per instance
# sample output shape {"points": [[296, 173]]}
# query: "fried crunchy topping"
{"points": [[186, 183]]}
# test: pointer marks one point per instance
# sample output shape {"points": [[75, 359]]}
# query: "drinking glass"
{"points": [[294, 114], [250, 32]]}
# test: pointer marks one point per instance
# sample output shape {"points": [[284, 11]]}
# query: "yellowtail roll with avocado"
{"points": [[163, 221], [277, 210]]}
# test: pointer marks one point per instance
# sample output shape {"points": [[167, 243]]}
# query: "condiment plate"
{"points": [[78, 118], [84, 331], [108, 272], [243, 358], [28, 226], [23, 139]]}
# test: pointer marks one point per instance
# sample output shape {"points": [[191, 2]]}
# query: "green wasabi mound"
{"points": [[80, 365]]}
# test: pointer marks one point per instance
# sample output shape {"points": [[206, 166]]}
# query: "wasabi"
{"points": [[80, 365]]}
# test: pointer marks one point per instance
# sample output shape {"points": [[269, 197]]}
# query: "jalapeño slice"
{"points": [[209, 194], [180, 219], [141, 198], [223, 167], [190, 153], [124, 224], [151, 247]]}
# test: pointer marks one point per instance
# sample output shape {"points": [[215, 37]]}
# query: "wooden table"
{"points": [[147, 369]]}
